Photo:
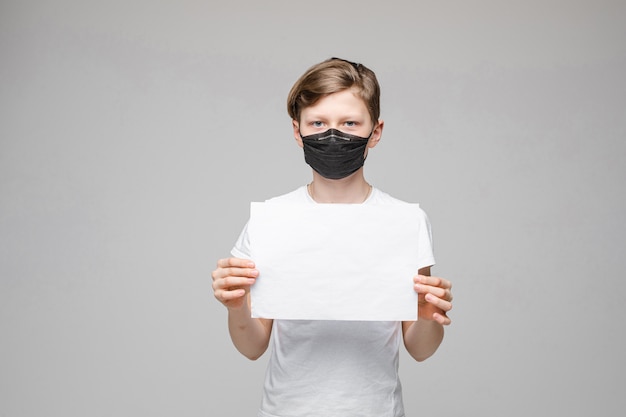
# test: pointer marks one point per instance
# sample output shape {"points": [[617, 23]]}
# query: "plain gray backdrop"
{"points": [[134, 134]]}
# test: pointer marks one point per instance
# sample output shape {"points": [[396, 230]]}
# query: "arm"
{"points": [[231, 286], [423, 337]]}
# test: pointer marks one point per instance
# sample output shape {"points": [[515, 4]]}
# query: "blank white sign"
{"points": [[334, 261]]}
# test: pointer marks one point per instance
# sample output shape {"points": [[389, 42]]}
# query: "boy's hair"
{"points": [[332, 76]]}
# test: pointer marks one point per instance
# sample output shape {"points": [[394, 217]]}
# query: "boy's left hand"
{"points": [[434, 298]]}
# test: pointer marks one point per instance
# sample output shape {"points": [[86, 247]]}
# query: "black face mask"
{"points": [[334, 154]]}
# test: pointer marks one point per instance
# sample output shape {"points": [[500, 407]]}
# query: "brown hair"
{"points": [[332, 76]]}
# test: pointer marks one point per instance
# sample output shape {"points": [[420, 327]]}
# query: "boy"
{"points": [[333, 368]]}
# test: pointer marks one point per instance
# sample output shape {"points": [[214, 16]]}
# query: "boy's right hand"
{"points": [[232, 280]]}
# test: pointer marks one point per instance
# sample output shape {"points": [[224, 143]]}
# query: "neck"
{"points": [[350, 190]]}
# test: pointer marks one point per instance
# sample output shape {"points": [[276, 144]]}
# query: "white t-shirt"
{"points": [[335, 368]]}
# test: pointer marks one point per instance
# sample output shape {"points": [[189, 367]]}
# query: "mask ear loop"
{"points": [[368, 140]]}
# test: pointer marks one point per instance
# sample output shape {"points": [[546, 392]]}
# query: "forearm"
{"points": [[249, 335], [422, 338]]}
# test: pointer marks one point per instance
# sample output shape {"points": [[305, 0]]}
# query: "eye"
{"points": [[350, 124], [317, 123]]}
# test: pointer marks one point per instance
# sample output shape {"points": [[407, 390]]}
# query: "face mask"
{"points": [[334, 154]]}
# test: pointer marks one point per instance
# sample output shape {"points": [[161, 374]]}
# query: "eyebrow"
{"points": [[349, 117]]}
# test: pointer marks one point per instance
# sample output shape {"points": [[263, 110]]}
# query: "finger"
{"points": [[445, 284], [235, 262], [433, 281], [443, 305], [231, 282], [442, 319], [240, 272], [222, 273], [436, 285], [225, 296], [437, 291]]}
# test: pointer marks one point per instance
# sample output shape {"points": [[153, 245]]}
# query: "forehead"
{"points": [[346, 101]]}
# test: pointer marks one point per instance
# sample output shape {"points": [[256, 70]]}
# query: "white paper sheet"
{"points": [[334, 261]]}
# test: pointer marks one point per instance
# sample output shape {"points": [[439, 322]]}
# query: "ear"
{"points": [[296, 132], [376, 134]]}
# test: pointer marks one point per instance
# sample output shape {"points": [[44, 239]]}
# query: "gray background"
{"points": [[133, 135]]}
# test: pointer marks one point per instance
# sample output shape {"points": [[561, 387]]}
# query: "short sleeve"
{"points": [[242, 246], [426, 255]]}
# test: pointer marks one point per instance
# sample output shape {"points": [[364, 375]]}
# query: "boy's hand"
{"points": [[434, 298], [232, 280]]}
